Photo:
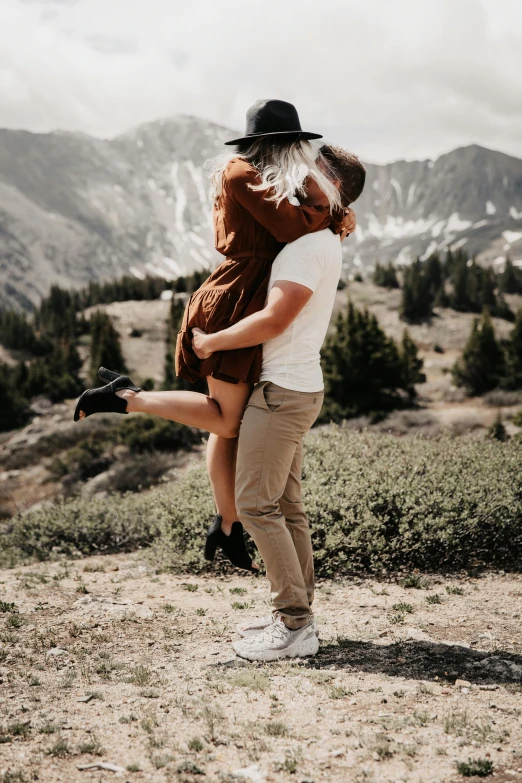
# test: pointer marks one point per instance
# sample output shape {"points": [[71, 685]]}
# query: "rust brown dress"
{"points": [[249, 231]]}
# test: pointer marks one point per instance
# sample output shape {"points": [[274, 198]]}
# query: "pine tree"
{"points": [[433, 274], [512, 378], [481, 366], [364, 371], [385, 276], [411, 365], [417, 298], [510, 279], [105, 345], [459, 299], [487, 293], [14, 408]]}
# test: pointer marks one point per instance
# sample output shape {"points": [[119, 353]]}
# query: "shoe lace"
{"points": [[275, 631]]}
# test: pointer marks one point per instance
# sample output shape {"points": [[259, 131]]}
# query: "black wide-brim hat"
{"points": [[273, 118]]}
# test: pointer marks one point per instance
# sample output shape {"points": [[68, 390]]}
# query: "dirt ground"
{"points": [[102, 661]]}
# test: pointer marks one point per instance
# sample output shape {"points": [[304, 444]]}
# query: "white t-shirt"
{"points": [[292, 360]]}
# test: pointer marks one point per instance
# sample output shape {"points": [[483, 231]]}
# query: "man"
{"points": [[282, 408]]}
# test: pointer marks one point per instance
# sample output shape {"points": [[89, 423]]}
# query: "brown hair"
{"points": [[348, 169]]}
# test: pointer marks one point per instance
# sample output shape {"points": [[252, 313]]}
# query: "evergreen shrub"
{"points": [[376, 504]]}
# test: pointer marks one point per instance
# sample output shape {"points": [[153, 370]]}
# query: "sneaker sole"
{"points": [[301, 648]]}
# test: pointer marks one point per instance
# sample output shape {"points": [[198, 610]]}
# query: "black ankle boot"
{"points": [[233, 546], [105, 399]]}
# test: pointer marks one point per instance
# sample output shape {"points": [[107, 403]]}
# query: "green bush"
{"points": [[375, 502], [150, 433], [78, 527]]}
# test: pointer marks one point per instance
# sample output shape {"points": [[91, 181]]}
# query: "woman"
{"points": [[253, 218]]}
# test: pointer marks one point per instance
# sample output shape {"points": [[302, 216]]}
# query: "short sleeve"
{"points": [[302, 262]]}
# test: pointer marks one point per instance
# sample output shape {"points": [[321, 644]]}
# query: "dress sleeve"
{"points": [[285, 221]]}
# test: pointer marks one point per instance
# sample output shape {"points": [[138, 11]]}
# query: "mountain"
{"points": [[470, 198], [74, 208]]}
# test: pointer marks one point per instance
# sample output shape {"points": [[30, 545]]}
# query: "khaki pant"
{"points": [[268, 493]]}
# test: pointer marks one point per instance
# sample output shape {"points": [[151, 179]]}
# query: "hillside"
{"points": [[28, 457], [74, 208]]}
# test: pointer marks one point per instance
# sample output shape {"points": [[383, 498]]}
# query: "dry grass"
{"points": [[158, 692]]}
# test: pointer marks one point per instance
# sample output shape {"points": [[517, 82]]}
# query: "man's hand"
{"points": [[199, 343], [348, 224]]}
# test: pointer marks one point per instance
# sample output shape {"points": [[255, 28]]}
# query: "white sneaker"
{"points": [[253, 627], [277, 641]]}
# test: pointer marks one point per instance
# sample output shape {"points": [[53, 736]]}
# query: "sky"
{"points": [[400, 79]]}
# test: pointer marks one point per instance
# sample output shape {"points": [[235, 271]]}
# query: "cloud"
{"points": [[390, 80]]}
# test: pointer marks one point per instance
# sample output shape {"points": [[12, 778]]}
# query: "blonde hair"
{"points": [[283, 169]]}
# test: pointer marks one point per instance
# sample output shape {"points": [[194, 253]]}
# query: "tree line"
{"points": [[365, 371], [455, 281], [49, 336]]}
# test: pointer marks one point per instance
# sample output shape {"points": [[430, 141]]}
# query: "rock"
{"points": [[448, 643], [486, 635], [136, 570], [97, 485], [115, 610], [417, 635], [253, 773], [494, 664], [516, 670], [56, 651], [462, 684], [102, 765], [87, 698], [230, 663]]}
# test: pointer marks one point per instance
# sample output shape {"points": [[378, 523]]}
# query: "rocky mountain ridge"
{"points": [[74, 208]]}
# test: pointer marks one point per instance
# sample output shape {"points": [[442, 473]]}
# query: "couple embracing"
{"points": [[254, 331]]}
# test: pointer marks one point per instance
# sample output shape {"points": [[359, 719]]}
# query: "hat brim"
{"points": [[293, 134]]}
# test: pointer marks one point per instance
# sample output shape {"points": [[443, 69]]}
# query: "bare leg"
{"points": [[220, 413], [221, 466]]}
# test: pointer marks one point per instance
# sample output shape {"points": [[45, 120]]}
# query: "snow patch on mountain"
{"points": [[454, 223], [512, 236], [397, 188]]}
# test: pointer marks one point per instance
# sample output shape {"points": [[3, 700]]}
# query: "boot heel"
{"points": [[210, 549], [107, 375], [212, 539]]}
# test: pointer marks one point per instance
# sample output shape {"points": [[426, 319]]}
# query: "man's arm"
{"points": [[285, 302]]}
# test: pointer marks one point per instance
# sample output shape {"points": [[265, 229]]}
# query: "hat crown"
{"points": [[272, 116], [273, 119]]}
